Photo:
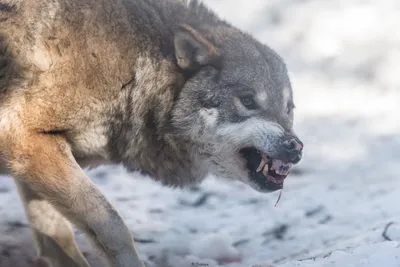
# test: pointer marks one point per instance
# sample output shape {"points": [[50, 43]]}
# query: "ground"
{"points": [[339, 207]]}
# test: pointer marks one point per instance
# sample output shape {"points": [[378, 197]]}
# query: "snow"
{"points": [[343, 57]]}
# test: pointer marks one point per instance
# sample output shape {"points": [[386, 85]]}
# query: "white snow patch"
{"points": [[382, 254], [215, 246], [344, 58]]}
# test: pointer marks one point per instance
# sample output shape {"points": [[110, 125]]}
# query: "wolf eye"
{"points": [[248, 102]]}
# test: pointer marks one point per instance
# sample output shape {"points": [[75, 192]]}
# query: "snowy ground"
{"points": [[344, 58]]}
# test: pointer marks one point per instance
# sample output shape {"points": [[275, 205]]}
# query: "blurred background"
{"points": [[340, 207]]}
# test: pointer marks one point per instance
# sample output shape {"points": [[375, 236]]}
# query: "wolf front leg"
{"points": [[46, 164], [53, 234]]}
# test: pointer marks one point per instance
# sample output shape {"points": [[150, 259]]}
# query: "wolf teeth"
{"points": [[262, 164], [265, 170]]}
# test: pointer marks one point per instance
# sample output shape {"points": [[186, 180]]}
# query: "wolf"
{"points": [[163, 87]]}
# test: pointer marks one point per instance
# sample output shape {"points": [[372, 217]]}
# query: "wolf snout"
{"points": [[293, 148]]}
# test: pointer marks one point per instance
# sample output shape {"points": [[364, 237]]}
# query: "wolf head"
{"points": [[236, 107]]}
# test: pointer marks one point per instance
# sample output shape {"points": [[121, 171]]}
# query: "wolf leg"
{"points": [[53, 234], [46, 164]]}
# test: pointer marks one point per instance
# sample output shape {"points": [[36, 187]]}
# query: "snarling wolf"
{"points": [[164, 87]]}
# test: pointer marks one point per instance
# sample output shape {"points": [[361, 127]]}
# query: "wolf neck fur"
{"points": [[143, 134]]}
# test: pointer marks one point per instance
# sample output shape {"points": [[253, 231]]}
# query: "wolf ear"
{"points": [[193, 50]]}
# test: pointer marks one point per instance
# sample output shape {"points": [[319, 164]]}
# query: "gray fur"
{"points": [[157, 85]]}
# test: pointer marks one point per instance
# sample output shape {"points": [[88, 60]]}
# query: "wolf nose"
{"points": [[293, 144], [294, 148]]}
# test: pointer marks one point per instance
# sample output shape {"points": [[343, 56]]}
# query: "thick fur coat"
{"points": [[164, 87]]}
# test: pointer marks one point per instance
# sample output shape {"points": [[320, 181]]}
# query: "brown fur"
{"points": [[84, 82], [70, 74], [74, 55]]}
